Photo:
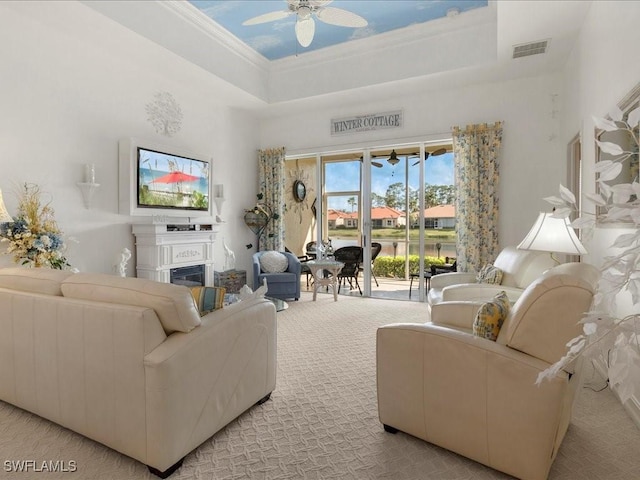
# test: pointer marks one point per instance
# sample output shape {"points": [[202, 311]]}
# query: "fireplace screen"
{"points": [[190, 276]]}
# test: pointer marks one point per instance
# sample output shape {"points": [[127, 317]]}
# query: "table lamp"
{"points": [[553, 235]]}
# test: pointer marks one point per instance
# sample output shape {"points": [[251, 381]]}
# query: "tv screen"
{"points": [[171, 181]]}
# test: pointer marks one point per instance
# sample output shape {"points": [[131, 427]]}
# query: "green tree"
{"points": [[435, 195], [394, 197], [377, 200], [351, 201]]}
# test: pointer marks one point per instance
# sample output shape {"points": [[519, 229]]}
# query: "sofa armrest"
{"points": [[454, 278], [455, 314], [197, 382], [478, 292], [468, 394]]}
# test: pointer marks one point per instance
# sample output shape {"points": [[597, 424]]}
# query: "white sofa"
{"points": [[519, 269], [129, 362], [479, 398]]}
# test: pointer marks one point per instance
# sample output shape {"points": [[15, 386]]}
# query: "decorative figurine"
{"points": [[229, 258], [125, 255]]}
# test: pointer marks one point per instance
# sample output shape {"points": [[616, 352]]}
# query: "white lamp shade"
{"points": [[554, 235], [305, 29], [4, 214]]}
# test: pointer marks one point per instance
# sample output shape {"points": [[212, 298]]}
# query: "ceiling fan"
{"points": [[439, 151], [305, 10]]}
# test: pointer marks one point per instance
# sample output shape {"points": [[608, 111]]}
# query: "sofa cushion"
{"points": [[489, 274], [35, 280], [173, 304], [208, 299], [491, 316], [273, 262]]}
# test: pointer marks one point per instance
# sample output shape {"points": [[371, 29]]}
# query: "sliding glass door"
{"points": [[396, 204]]}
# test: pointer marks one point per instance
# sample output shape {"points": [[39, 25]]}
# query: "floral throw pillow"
{"points": [[491, 316], [489, 274]]}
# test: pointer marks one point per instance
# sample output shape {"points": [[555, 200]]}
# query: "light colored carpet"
{"points": [[321, 422]]}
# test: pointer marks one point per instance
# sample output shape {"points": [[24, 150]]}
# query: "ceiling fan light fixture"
{"points": [[304, 12], [305, 30], [393, 158]]}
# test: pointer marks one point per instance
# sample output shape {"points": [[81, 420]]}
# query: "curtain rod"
{"points": [[478, 128]]}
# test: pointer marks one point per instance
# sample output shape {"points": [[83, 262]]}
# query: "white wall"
{"points": [[533, 157], [73, 83], [604, 66]]}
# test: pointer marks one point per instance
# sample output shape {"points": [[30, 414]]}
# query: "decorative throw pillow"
{"points": [[273, 262], [491, 316], [489, 274], [208, 299]]}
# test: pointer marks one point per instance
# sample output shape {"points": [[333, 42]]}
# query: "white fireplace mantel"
{"points": [[161, 247]]}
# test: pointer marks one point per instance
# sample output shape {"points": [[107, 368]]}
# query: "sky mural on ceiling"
{"points": [[277, 39]]}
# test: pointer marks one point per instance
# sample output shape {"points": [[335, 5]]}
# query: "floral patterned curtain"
{"points": [[271, 180], [476, 150]]}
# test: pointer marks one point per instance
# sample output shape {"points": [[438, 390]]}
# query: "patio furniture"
{"points": [[427, 281], [446, 268], [310, 250], [325, 274], [375, 251], [351, 257], [304, 269]]}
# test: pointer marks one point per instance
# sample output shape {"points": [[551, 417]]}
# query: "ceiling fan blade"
{"points": [[305, 30], [375, 164], [340, 17], [440, 151], [267, 17]]}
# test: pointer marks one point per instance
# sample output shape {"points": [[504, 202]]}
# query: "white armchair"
{"points": [[477, 397], [519, 269]]}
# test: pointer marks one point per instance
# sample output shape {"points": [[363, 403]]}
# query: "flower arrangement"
{"points": [[620, 272], [34, 237]]}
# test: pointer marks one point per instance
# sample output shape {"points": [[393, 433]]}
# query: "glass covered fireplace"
{"points": [[190, 276]]}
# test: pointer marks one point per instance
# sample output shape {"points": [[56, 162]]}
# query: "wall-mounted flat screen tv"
{"points": [[163, 181], [168, 181]]}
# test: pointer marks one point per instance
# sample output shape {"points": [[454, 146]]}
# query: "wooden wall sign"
{"points": [[365, 123]]}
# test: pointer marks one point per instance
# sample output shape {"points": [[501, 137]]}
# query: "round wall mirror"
{"points": [[299, 191]]}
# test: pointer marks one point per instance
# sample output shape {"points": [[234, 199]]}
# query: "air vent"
{"points": [[527, 49]]}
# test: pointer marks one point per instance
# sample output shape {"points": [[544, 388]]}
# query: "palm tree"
{"points": [[351, 201]]}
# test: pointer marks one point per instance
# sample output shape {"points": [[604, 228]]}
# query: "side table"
{"points": [[318, 268], [232, 280]]}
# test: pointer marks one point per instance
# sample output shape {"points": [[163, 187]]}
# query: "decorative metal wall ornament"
{"points": [[300, 188], [165, 114], [258, 218]]}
